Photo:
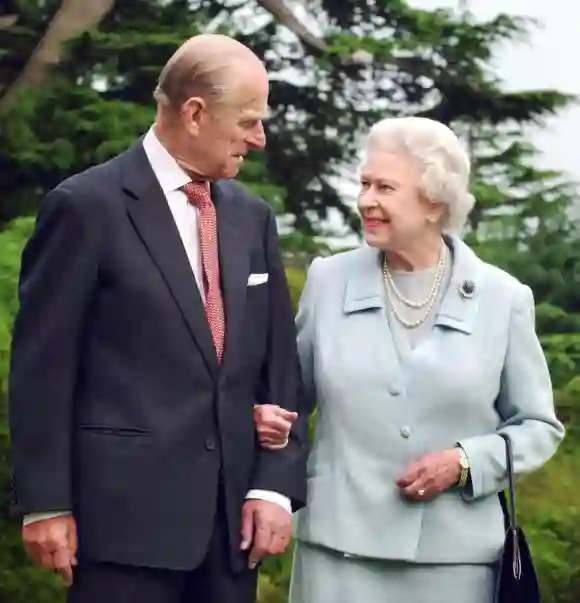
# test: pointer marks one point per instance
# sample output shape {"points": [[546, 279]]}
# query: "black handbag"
{"points": [[517, 581]]}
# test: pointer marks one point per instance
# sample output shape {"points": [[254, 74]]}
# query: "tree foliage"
{"points": [[345, 66]]}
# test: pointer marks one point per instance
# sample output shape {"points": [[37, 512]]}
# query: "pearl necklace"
{"points": [[394, 294]]}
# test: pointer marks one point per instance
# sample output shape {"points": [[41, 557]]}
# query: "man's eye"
{"points": [[250, 123]]}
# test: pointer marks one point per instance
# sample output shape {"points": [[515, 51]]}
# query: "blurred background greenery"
{"points": [[76, 81]]}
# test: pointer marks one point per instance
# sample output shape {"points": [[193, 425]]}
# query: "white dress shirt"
{"points": [[171, 178]]}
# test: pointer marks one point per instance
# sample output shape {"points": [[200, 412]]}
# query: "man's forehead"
{"points": [[251, 97], [256, 112]]}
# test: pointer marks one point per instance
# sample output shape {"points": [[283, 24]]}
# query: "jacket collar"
{"points": [[365, 290]]}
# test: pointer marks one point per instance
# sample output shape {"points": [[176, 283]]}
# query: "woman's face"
{"points": [[394, 213]]}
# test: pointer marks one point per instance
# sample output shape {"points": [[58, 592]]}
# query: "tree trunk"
{"points": [[284, 15], [73, 18]]}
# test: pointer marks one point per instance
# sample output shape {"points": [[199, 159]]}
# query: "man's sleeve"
{"points": [[58, 274], [282, 471]]}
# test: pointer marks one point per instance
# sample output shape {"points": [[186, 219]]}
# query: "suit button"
{"points": [[209, 444], [405, 432]]}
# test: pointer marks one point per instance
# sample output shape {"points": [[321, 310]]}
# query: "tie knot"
{"points": [[197, 193]]}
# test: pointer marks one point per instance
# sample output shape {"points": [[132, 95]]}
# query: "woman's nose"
{"points": [[367, 198]]}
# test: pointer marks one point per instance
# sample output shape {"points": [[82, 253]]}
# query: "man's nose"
{"points": [[257, 138]]}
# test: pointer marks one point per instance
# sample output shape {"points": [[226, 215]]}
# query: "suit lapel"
{"points": [[234, 263], [150, 214]]}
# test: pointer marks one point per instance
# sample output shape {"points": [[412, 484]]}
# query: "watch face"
{"points": [[464, 463]]}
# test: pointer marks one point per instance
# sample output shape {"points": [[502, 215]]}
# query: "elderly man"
{"points": [[154, 316]]}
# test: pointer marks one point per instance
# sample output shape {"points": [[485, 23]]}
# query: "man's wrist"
{"points": [[270, 496], [34, 517]]}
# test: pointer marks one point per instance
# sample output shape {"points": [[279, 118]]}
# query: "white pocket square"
{"points": [[257, 279]]}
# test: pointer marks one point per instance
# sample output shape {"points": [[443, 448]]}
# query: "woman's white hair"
{"points": [[442, 160]]}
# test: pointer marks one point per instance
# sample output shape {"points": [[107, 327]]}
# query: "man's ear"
{"points": [[192, 112]]}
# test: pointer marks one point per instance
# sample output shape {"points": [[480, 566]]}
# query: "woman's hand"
{"points": [[431, 474], [273, 425]]}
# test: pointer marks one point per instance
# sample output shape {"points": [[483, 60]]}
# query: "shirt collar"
{"points": [[170, 175]]}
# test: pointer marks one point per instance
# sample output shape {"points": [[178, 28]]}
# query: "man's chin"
{"points": [[229, 172]]}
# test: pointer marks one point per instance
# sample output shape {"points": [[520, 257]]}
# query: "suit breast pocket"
{"points": [[257, 282], [257, 297], [256, 317]]}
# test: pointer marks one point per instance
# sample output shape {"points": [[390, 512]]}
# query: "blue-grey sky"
{"points": [[545, 61]]}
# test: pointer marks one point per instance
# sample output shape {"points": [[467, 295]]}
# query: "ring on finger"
{"points": [[421, 492]]}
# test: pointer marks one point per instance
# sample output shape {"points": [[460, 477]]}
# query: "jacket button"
{"points": [[405, 432], [209, 444], [396, 387]]}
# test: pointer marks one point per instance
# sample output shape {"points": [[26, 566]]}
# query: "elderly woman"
{"points": [[417, 354]]}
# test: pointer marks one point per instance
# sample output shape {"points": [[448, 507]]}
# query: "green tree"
{"points": [[360, 60], [19, 581], [99, 96]]}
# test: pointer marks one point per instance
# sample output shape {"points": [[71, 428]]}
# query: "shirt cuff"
{"points": [[34, 517], [274, 497]]}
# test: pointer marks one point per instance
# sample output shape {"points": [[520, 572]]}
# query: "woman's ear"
{"points": [[436, 212]]}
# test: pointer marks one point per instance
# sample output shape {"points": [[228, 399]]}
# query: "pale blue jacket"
{"points": [[480, 371]]}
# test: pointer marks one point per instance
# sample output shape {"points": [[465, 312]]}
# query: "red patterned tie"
{"points": [[198, 195]]}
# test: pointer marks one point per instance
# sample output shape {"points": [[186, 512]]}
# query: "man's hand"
{"points": [[432, 474], [273, 425], [52, 544], [266, 528]]}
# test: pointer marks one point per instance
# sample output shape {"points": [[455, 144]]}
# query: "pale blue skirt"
{"points": [[324, 576]]}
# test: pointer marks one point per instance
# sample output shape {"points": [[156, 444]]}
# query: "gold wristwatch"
{"points": [[464, 463]]}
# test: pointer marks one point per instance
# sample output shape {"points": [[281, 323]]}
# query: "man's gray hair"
{"points": [[441, 158], [186, 77], [203, 66]]}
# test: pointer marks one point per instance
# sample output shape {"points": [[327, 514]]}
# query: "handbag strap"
{"points": [[509, 510]]}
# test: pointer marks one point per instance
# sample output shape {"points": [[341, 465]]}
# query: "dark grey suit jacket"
{"points": [[118, 407]]}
